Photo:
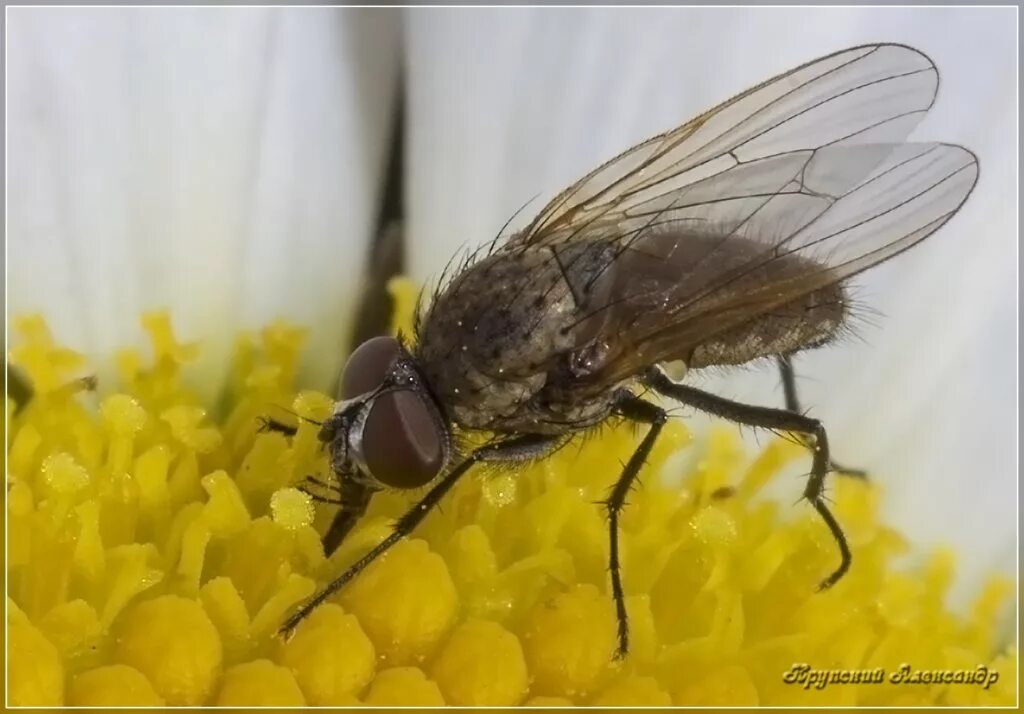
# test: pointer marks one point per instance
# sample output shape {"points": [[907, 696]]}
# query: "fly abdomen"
{"points": [[810, 322]]}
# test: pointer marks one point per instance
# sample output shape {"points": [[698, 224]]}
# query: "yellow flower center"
{"points": [[156, 544]]}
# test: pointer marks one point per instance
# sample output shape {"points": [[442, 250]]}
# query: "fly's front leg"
{"points": [[793, 405], [770, 419], [353, 500], [268, 424], [520, 448], [635, 409]]}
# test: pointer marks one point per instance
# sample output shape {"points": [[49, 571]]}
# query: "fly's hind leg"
{"points": [[635, 409], [793, 405], [771, 419]]}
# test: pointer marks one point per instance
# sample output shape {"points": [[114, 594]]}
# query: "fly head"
{"points": [[386, 430]]}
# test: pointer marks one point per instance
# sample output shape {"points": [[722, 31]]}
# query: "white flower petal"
{"points": [[224, 163], [508, 102]]}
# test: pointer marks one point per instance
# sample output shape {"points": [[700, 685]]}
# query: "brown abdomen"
{"points": [[809, 322]]}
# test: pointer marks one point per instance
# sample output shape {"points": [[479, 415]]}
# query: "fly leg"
{"points": [[321, 484], [311, 482], [271, 424], [635, 409], [793, 405], [321, 499], [770, 419], [353, 500], [519, 448]]}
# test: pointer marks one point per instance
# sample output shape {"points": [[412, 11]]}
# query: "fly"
{"points": [[725, 240]]}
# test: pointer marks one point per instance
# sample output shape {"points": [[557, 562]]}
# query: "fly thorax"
{"points": [[493, 337]]}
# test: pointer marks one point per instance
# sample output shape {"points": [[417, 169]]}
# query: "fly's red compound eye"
{"points": [[367, 366], [402, 444]]}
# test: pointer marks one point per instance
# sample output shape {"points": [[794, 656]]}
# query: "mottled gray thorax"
{"points": [[496, 343]]}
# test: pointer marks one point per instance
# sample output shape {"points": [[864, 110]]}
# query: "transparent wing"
{"points": [[674, 289], [788, 188], [751, 147]]}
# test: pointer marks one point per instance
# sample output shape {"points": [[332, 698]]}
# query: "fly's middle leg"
{"points": [[793, 405], [770, 419], [634, 409]]}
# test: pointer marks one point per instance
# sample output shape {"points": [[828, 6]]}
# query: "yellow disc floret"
{"points": [[330, 655], [111, 686], [171, 640], [35, 673], [482, 664], [406, 600], [403, 686], [570, 641], [259, 684], [292, 508]]}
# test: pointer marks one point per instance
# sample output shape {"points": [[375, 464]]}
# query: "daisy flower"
{"points": [[218, 172]]}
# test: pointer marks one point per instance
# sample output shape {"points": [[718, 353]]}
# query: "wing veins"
{"points": [[693, 125], [774, 248]]}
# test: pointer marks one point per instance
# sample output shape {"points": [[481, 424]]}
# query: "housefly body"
{"points": [[725, 240]]}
